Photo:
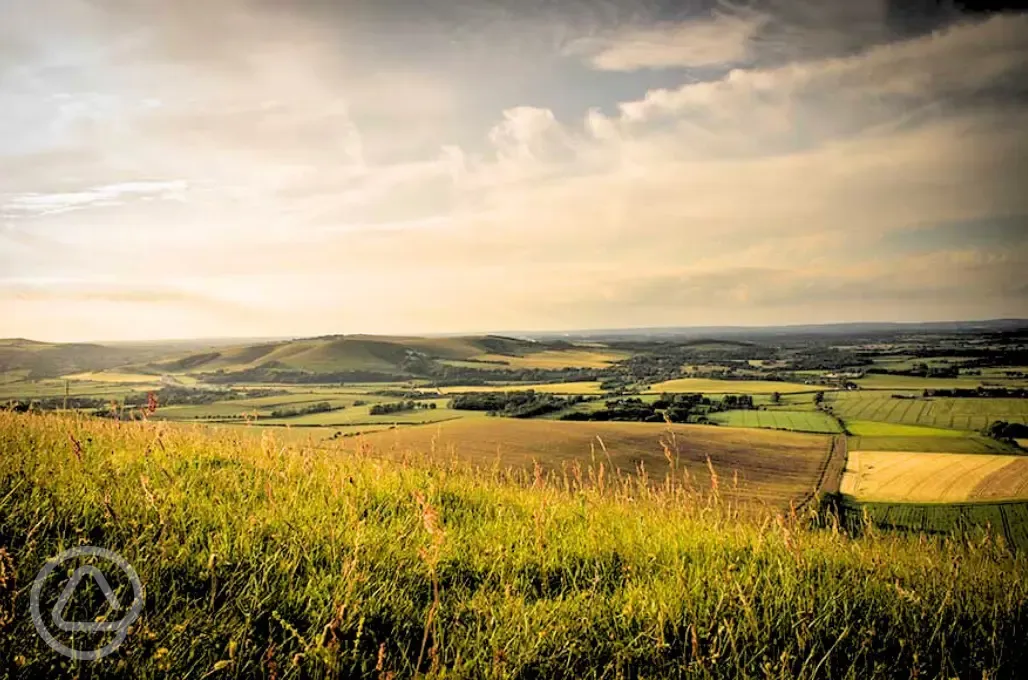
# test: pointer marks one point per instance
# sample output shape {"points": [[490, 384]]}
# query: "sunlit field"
{"points": [[266, 557], [934, 477]]}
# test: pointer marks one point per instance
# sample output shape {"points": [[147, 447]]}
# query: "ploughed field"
{"points": [[763, 466]]}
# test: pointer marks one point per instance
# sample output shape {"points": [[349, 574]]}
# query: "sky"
{"points": [[259, 168]]}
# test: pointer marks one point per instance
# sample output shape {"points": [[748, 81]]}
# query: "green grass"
{"points": [[798, 421], [256, 553], [972, 414], [869, 428], [931, 444]]}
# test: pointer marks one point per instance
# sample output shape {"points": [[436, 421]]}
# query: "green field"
{"points": [[932, 444], [1009, 519], [549, 388], [359, 416], [881, 381], [870, 428], [705, 385], [971, 414], [798, 421], [262, 557]]}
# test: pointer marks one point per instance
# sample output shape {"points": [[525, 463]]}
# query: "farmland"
{"points": [[871, 428], [934, 444], [905, 382], [977, 522], [772, 467], [343, 377], [897, 476], [712, 386], [797, 421], [589, 387], [938, 412], [496, 543], [574, 358]]}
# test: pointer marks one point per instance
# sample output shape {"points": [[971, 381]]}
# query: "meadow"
{"points": [[263, 558]]}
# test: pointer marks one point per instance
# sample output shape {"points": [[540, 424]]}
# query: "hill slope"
{"points": [[259, 559], [384, 354]]}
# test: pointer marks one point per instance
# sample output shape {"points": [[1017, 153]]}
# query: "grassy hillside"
{"points": [[262, 559], [46, 360]]}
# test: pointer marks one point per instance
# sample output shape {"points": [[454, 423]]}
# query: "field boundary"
{"points": [[829, 479]]}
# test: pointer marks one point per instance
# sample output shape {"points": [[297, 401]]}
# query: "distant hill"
{"points": [[339, 353], [764, 332], [47, 360]]}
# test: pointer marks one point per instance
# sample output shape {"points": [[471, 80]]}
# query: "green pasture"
{"points": [[971, 414], [797, 421], [870, 428], [931, 444]]}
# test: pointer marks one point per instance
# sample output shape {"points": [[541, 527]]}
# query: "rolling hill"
{"points": [[382, 354], [398, 356]]}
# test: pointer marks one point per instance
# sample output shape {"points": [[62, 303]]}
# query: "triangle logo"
{"points": [[62, 603]]}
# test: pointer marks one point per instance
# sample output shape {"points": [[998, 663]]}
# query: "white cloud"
{"points": [[720, 40], [39, 204], [760, 197]]}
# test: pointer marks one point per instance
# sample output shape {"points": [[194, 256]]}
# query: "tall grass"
{"points": [[267, 560]]}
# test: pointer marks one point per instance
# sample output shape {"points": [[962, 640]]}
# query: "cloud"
{"points": [[959, 62], [342, 179], [720, 40], [37, 204]]}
